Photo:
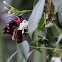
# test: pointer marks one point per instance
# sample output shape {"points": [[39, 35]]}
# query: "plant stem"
{"points": [[7, 9], [46, 48], [8, 5], [25, 11], [34, 3], [42, 24], [45, 18], [21, 13]]}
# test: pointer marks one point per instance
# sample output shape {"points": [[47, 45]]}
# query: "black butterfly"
{"points": [[12, 22]]}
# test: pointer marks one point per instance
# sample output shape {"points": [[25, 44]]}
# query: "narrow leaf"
{"points": [[59, 39], [12, 56], [56, 30], [23, 60], [35, 45], [43, 54], [35, 16], [30, 53], [51, 40], [24, 48]]}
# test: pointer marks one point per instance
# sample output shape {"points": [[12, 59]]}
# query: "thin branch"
{"points": [[42, 24], [7, 4], [34, 3], [46, 48]]}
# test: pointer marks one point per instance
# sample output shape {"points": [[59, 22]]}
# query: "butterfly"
{"points": [[12, 22]]}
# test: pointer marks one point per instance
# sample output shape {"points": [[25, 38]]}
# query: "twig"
{"points": [[46, 48]]}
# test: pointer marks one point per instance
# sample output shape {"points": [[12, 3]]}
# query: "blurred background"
{"points": [[8, 47]]}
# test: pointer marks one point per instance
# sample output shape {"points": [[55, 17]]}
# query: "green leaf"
{"points": [[23, 60], [37, 56], [58, 40], [43, 54], [35, 45], [34, 3], [24, 48], [37, 34], [41, 23], [30, 53], [56, 30], [12, 56], [51, 40], [40, 57], [58, 54], [35, 16]]}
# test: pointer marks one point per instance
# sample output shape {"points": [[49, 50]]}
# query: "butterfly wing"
{"points": [[6, 17]]}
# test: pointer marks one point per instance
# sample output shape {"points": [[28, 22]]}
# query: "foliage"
{"points": [[35, 17], [45, 43]]}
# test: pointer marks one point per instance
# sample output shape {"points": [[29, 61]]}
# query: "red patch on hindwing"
{"points": [[19, 36], [6, 29], [13, 37], [10, 28]]}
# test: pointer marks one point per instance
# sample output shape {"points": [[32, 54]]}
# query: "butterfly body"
{"points": [[12, 22]]}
